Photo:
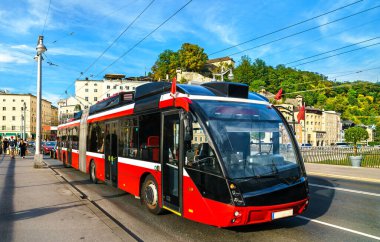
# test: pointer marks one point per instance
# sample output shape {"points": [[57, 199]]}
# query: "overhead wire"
{"points": [[113, 42], [149, 34], [344, 47], [324, 37], [337, 54], [285, 28], [306, 30], [117, 38], [47, 14], [356, 72]]}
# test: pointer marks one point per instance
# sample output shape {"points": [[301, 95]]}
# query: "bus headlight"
{"points": [[236, 195]]}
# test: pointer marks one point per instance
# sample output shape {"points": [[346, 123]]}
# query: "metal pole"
{"points": [[304, 124], [21, 128], [38, 157], [24, 133]]}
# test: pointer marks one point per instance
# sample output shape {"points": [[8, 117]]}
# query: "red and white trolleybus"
{"points": [[215, 153]]}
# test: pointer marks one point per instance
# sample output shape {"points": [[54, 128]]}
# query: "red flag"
{"points": [[174, 86], [278, 95], [301, 114]]}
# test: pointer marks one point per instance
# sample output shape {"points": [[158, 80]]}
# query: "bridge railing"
{"points": [[340, 156]]}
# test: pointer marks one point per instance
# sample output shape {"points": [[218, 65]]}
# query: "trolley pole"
{"points": [[38, 157]]}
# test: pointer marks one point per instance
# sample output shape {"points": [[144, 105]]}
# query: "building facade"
{"points": [[18, 116], [88, 92]]}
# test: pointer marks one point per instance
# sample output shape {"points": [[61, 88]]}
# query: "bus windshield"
{"points": [[252, 140]]}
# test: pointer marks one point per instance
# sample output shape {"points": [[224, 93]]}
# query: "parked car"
{"points": [[342, 145], [31, 143], [48, 146], [306, 145]]}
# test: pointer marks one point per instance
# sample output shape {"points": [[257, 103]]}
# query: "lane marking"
{"points": [[346, 190], [339, 227], [345, 177]]}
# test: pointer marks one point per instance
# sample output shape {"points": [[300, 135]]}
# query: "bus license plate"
{"points": [[282, 214]]}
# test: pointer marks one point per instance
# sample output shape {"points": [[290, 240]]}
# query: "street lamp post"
{"points": [[230, 76], [24, 132], [289, 111], [38, 157]]}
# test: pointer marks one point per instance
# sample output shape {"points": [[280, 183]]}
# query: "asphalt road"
{"points": [[340, 210]]}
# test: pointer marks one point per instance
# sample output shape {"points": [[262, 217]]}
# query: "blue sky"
{"points": [[77, 32]]}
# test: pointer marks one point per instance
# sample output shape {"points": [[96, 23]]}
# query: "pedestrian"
{"points": [[12, 147], [22, 147], [5, 145]]}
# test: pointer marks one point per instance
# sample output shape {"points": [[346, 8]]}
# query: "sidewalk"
{"points": [[37, 205], [344, 172]]}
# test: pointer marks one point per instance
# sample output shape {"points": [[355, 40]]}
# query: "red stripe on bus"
{"points": [[68, 125], [110, 116]]}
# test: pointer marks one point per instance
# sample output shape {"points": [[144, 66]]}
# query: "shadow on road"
{"points": [[7, 199]]}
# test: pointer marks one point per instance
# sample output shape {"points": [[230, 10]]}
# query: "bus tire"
{"points": [[93, 172], [150, 196]]}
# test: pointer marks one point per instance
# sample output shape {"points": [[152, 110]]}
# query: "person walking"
{"points": [[12, 147], [22, 147], [5, 145]]}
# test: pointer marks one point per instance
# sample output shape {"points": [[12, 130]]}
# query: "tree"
{"points": [[166, 64], [354, 135], [191, 57], [243, 73]]}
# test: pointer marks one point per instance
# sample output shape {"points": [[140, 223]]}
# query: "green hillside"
{"points": [[358, 101]]}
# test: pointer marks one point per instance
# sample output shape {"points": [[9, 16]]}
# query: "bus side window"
{"points": [[199, 154]]}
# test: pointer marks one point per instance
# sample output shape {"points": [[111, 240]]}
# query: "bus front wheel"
{"points": [[150, 195], [93, 172]]}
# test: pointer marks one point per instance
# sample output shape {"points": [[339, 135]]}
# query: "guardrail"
{"points": [[340, 156]]}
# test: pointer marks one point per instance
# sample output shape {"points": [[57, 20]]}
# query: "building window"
{"points": [[13, 127], [95, 99], [121, 87], [13, 118], [127, 88], [95, 84], [114, 87], [108, 95], [86, 90], [14, 108], [3, 127], [22, 108], [108, 87], [86, 98], [86, 84], [134, 88], [85, 107], [4, 108], [14, 100], [95, 90], [3, 100], [4, 118]]}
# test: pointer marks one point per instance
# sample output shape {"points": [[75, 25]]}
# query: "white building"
{"points": [[88, 92]]}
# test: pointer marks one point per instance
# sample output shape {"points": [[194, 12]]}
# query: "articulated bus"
{"points": [[213, 153]]}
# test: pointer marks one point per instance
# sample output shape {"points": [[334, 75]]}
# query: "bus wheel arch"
{"points": [[149, 194], [92, 171]]}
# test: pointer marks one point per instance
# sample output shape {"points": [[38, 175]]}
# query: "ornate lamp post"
{"points": [[230, 76], [38, 157]]}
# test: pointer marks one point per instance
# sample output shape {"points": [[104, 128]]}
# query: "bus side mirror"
{"points": [[188, 126]]}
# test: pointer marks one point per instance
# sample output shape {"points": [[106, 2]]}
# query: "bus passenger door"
{"points": [[170, 161], [110, 153]]}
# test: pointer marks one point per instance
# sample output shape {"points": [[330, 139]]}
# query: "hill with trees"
{"points": [[358, 101]]}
